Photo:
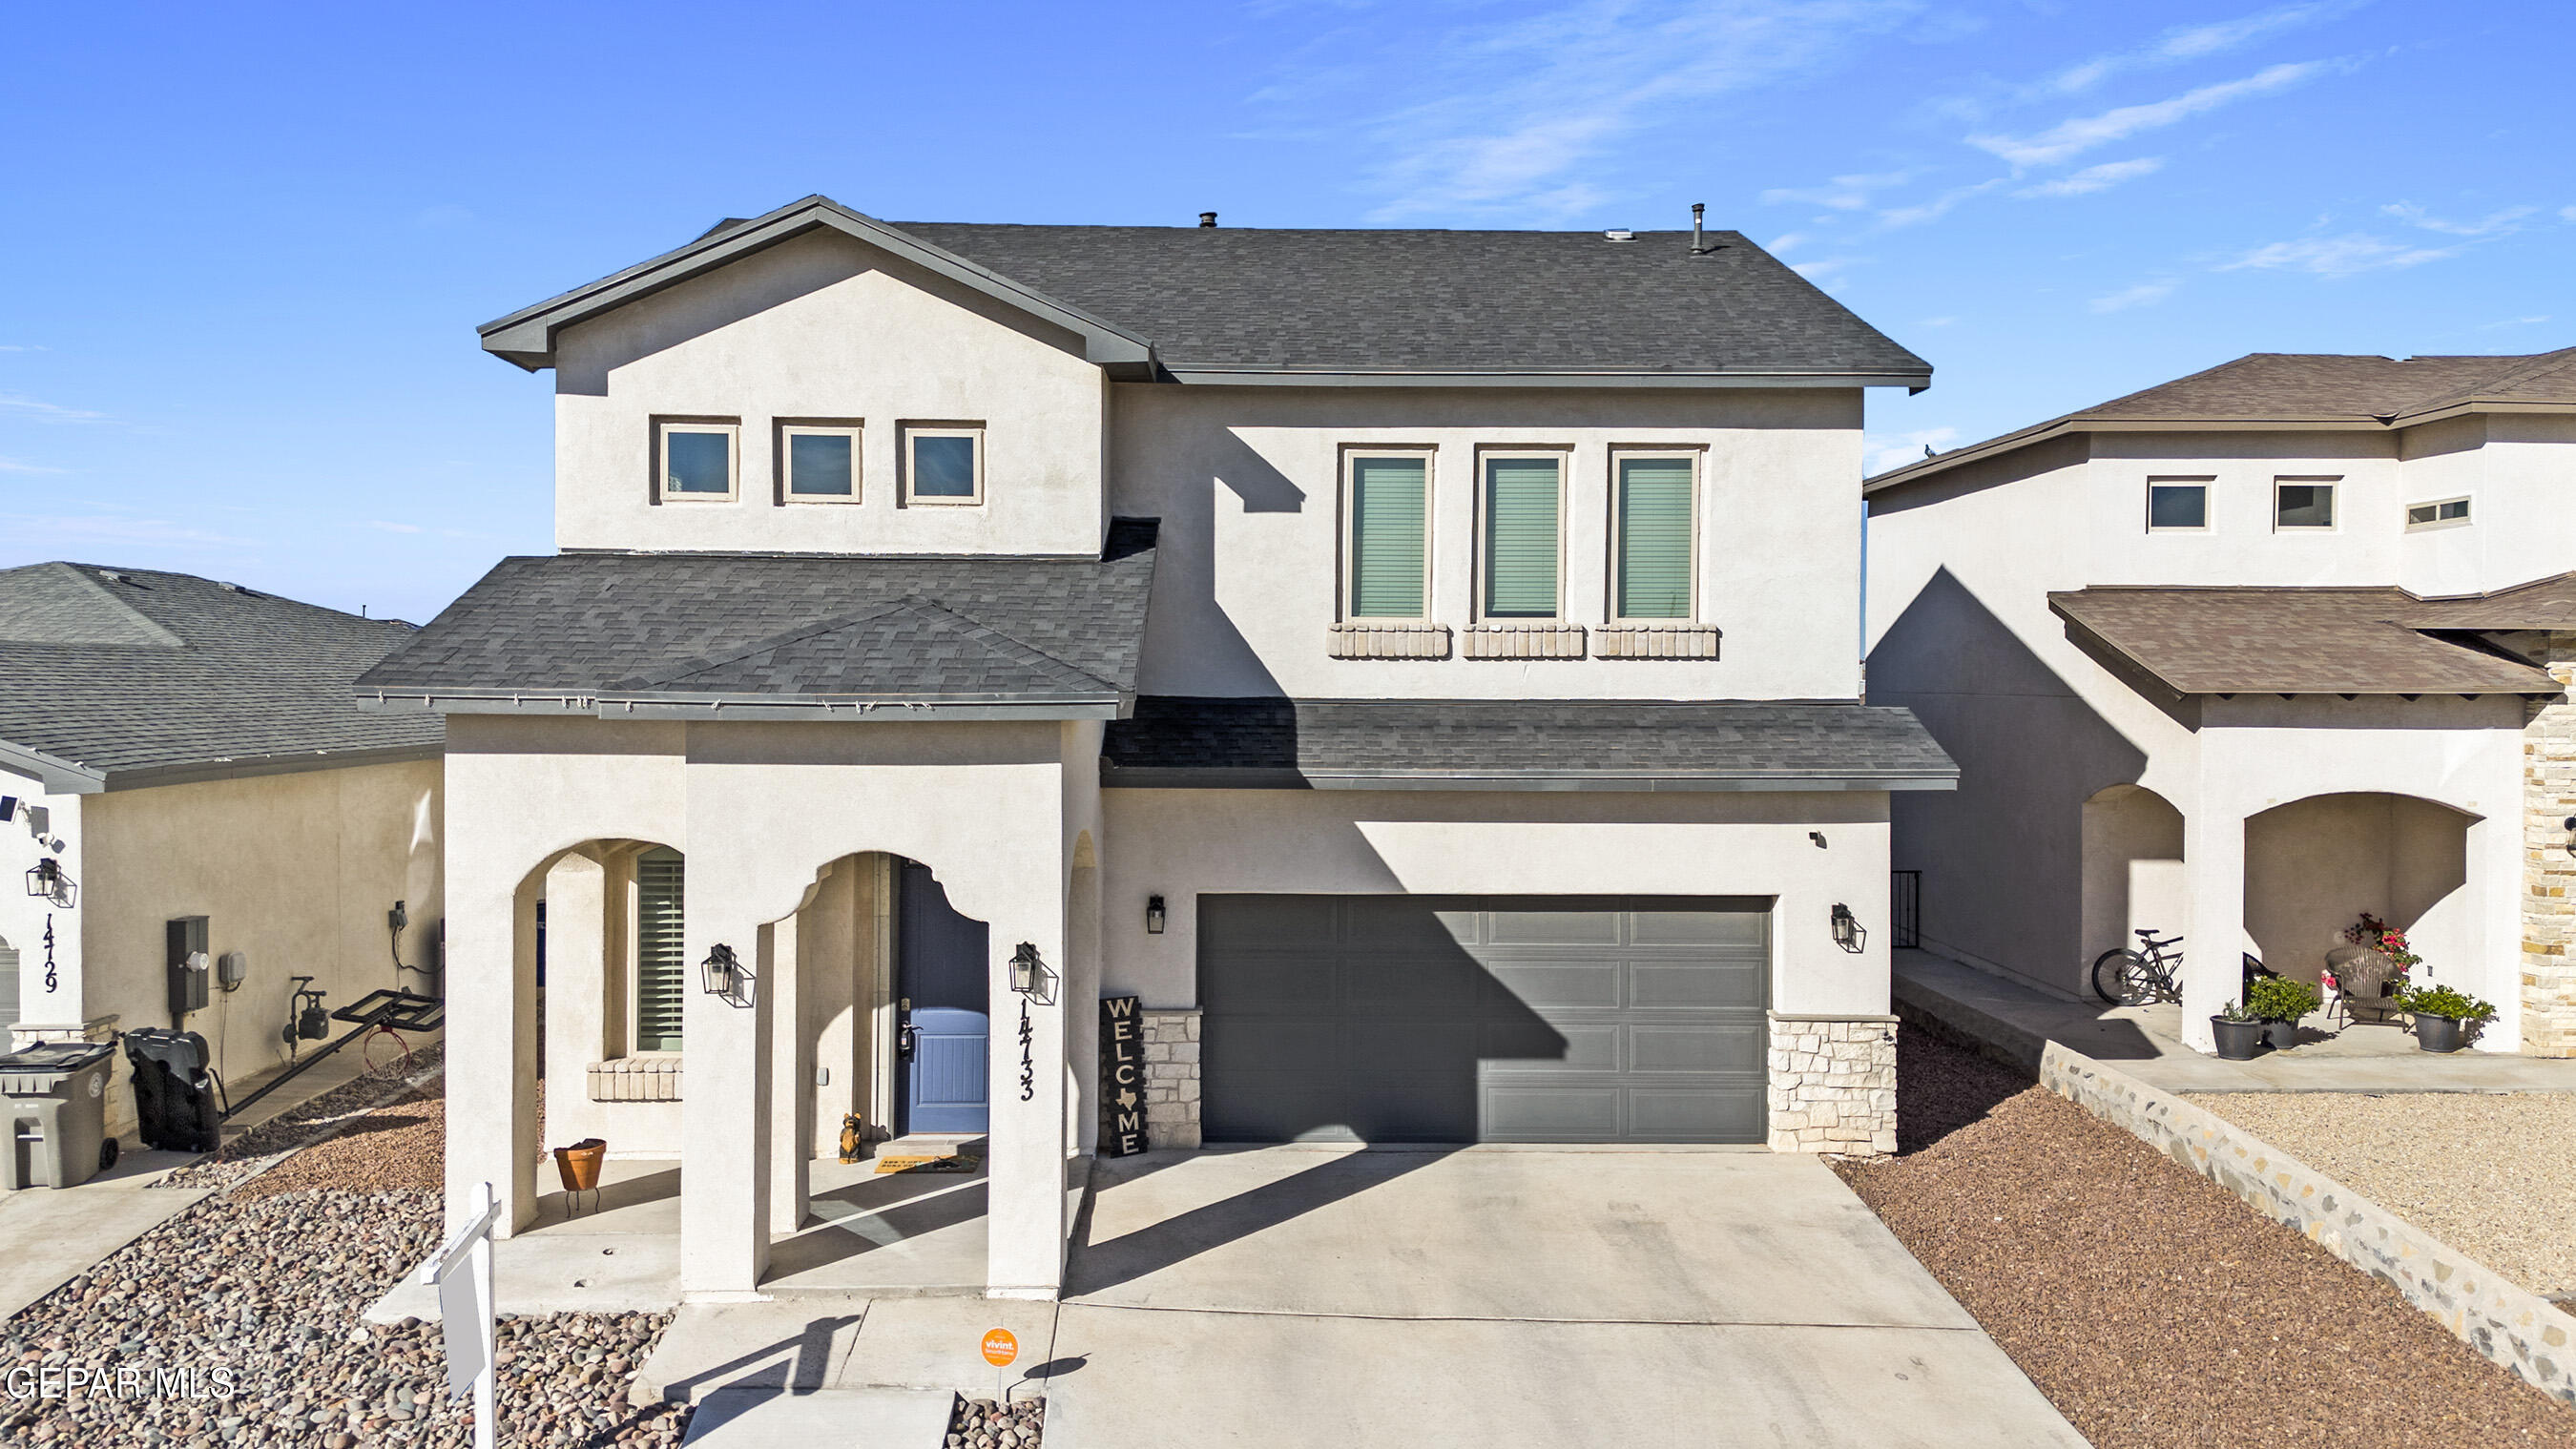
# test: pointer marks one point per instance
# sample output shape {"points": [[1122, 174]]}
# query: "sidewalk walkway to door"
{"points": [[2017, 1022]]}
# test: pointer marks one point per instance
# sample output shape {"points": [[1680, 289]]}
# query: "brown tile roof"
{"points": [[2304, 388], [2286, 641], [2548, 603]]}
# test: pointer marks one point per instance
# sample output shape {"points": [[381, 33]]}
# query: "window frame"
{"points": [[2205, 483], [787, 429], [1622, 453], [635, 955], [2468, 513], [1563, 456], [2332, 483], [907, 433], [663, 427], [1352, 453]]}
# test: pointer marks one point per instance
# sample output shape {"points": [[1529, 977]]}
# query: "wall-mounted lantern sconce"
{"points": [[1817, 836], [1153, 915], [726, 976], [1030, 976], [1847, 931], [46, 878]]}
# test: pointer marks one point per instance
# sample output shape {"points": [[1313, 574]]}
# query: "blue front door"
{"points": [[940, 985]]}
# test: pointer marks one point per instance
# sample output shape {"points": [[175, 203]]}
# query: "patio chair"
{"points": [[2361, 988]]}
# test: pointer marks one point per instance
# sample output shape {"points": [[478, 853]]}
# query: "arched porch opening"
{"points": [[2314, 866], [2133, 868]]}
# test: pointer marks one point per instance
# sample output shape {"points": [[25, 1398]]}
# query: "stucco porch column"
{"points": [[790, 1073], [491, 1038], [1025, 1174], [2213, 951], [725, 1111]]}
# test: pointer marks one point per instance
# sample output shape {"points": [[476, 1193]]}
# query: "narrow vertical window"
{"points": [[695, 460], [1389, 514], [661, 949], [1653, 528], [1523, 498], [819, 464]]}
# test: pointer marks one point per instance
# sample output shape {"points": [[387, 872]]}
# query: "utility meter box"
{"points": [[188, 966]]}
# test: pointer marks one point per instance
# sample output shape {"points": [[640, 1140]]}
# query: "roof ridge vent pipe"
{"points": [[1699, 242], [1207, 218]]}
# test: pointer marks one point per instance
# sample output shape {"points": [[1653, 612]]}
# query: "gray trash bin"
{"points": [[57, 1112]]}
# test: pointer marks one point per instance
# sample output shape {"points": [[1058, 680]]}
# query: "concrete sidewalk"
{"points": [[2018, 1022]]}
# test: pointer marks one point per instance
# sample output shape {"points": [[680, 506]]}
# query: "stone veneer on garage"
{"points": [[2549, 867], [1833, 1084], [1171, 1076]]}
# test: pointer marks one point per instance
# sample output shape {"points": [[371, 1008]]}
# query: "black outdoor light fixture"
{"points": [[1029, 975], [1153, 915], [726, 976], [1847, 931], [45, 878]]}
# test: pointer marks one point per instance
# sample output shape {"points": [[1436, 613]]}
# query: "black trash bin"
{"points": [[174, 1093]]}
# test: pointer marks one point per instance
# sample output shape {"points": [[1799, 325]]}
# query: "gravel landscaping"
{"points": [[984, 1424], [2488, 1174], [309, 1122], [2150, 1305]]}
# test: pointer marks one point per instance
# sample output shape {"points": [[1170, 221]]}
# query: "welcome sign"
{"points": [[1122, 1075]]}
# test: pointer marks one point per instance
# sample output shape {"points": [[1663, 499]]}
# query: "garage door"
{"points": [[1482, 1019]]}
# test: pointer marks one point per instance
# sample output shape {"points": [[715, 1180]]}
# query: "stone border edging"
{"points": [[2507, 1324]]}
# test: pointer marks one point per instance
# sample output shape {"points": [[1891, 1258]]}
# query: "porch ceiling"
{"points": [[2288, 641]]}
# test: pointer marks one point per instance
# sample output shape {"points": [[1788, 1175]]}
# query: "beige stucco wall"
{"points": [[825, 328], [1247, 482], [1180, 844]]}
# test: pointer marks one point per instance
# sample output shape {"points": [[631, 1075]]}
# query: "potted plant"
{"points": [[2239, 1033], [2280, 1002], [578, 1165], [2443, 1016]]}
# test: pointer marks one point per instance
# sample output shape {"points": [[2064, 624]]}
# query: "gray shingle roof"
{"points": [[787, 629], [2293, 640], [1210, 303], [128, 672], [2301, 388], [1184, 742]]}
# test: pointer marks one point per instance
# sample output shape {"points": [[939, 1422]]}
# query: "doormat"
{"points": [[952, 1163]]}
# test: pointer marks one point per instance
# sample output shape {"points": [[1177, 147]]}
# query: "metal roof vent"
{"points": [[1618, 233], [1699, 241], [112, 576], [1207, 218]]}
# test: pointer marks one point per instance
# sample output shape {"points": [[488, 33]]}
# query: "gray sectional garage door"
{"points": [[1483, 1018]]}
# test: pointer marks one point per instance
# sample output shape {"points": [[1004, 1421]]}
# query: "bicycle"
{"points": [[2124, 977]]}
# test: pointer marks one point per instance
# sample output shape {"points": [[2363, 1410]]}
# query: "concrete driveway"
{"points": [[1512, 1297]]}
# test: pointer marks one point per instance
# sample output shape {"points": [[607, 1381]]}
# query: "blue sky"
{"points": [[246, 246]]}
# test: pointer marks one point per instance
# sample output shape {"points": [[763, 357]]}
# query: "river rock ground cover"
{"points": [[2149, 1304], [238, 1322]]}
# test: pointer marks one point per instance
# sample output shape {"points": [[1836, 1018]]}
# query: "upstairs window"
{"points": [[2441, 513], [2177, 504], [1386, 556], [2299, 503], [818, 463], [1653, 526], [661, 950], [1522, 498], [695, 460], [943, 463]]}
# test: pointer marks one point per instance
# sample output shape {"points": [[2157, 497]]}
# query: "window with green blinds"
{"points": [[661, 952], [1653, 578], [1389, 510], [1521, 504]]}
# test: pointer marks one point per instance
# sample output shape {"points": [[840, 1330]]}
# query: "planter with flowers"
{"points": [[2280, 1002]]}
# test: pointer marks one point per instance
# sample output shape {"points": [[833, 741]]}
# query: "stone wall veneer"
{"points": [[2549, 867], [1833, 1084], [1171, 1076]]}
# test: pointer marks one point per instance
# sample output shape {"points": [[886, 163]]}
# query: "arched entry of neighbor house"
{"points": [[2132, 868], [2313, 866]]}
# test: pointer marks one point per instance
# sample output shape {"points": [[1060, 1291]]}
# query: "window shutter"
{"points": [[661, 951], [1520, 538], [1654, 538], [1388, 501]]}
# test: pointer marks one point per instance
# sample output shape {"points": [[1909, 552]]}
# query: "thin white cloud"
{"points": [[2071, 138], [51, 412], [1787, 240], [2514, 322], [2095, 178], [2144, 294], [2495, 223], [12, 465], [2336, 256], [1895, 450], [2567, 213], [2186, 43], [1842, 193], [94, 528], [1937, 207], [1826, 271], [395, 527], [23, 347]]}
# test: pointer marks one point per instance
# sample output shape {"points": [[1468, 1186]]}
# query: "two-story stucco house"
{"points": [[2241, 657], [1418, 666]]}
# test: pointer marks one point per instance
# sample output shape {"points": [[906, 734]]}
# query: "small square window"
{"points": [[2177, 505], [697, 460], [819, 464], [2303, 503], [944, 465], [2438, 513]]}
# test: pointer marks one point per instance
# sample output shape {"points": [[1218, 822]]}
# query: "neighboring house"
{"points": [[1418, 664], [2241, 657], [177, 748]]}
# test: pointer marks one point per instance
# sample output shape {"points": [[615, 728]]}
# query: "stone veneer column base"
{"points": [[1833, 1084], [1171, 1076], [2549, 867]]}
